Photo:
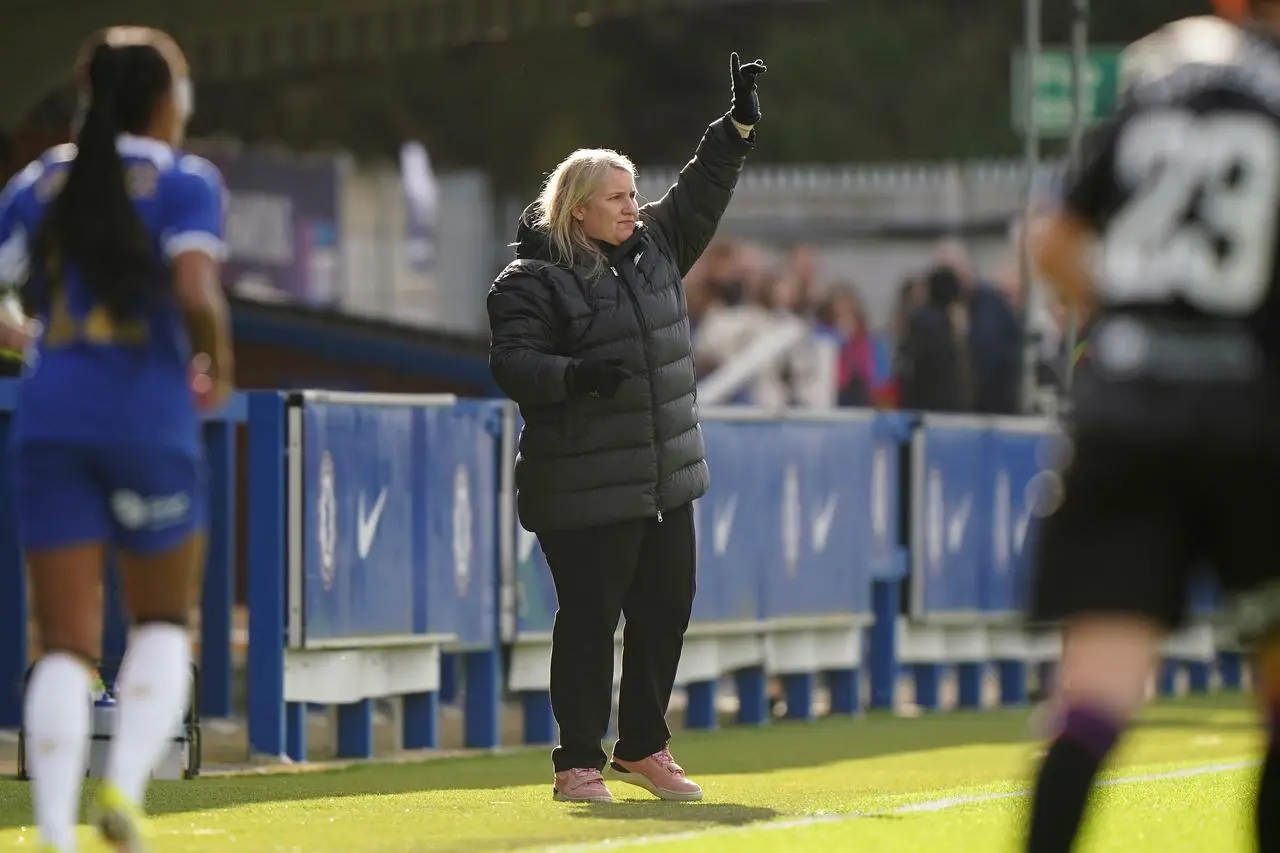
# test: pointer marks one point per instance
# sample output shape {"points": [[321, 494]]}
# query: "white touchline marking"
{"points": [[925, 807]]}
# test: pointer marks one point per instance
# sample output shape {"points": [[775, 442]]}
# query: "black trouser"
{"points": [[642, 568]]}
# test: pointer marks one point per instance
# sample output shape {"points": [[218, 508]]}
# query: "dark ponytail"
{"points": [[93, 223]]}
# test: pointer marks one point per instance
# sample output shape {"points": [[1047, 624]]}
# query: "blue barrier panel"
{"points": [[396, 544], [1016, 476], [791, 502], [461, 518], [535, 593], [949, 509], [880, 530], [739, 532], [359, 511], [218, 598], [821, 483]]}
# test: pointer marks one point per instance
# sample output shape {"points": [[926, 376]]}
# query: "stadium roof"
{"points": [[229, 39]]}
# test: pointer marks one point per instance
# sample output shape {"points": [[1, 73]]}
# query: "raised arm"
{"points": [[524, 335], [690, 212], [1064, 242]]}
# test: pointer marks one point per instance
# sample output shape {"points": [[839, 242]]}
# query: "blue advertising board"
{"points": [[358, 520], [822, 491], [535, 591], [879, 529], [802, 515], [949, 509], [461, 518], [399, 533], [733, 526], [1019, 476]]}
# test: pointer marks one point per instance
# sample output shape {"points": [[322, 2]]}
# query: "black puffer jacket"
{"points": [[587, 462]]}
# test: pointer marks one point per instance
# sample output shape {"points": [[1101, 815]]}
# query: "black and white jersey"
{"points": [[1183, 190]]}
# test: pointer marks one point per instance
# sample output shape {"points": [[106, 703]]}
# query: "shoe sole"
{"points": [[118, 831], [563, 798], [642, 781]]}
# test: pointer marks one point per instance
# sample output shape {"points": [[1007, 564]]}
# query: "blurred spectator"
{"points": [[719, 270], [995, 335], [802, 267], [935, 369], [864, 370], [725, 329], [798, 379], [953, 341], [911, 295]]}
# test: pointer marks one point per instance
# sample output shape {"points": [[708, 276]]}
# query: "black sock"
{"points": [[1066, 778], [1268, 810]]}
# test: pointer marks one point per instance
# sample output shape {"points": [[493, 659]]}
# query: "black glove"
{"points": [[595, 378], [746, 106]]}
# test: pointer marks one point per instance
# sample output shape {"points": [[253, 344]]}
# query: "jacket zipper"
{"points": [[648, 366]]}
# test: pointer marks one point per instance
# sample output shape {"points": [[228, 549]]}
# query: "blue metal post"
{"points": [[218, 597], [421, 720], [449, 677], [115, 628], [267, 561], [700, 705], [798, 689], [355, 729], [1231, 670], [539, 721], [1013, 682], [844, 687], [886, 599], [969, 677], [753, 696], [928, 677], [482, 670], [14, 622]]}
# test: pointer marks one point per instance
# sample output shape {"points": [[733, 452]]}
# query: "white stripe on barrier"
{"points": [[926, 807], [370, 398]]}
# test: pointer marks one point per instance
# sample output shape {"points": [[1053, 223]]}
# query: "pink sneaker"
{"points": [[583, 785], [659, 775]]}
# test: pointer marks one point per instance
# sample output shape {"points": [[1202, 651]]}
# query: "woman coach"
{"points": [[590, 336]]}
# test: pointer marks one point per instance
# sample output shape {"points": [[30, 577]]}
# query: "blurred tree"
{"points": [[881, 80]]}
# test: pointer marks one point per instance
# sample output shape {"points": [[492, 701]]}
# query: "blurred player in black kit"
{"points": [[1168, 239]]}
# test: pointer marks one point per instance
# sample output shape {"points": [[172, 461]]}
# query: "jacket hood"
{"points": [[530, 241]]}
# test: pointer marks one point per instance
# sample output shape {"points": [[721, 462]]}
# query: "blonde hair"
{"points": [[573, 183]]}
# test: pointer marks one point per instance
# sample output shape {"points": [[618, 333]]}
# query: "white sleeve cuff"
{"points": [[195, 241], [13, 259]]}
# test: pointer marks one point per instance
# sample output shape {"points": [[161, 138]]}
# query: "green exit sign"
{"points": [[1050, 80]]}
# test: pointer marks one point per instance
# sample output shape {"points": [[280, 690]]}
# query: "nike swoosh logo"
{"points": [[1020, 530], [958, 524], [723, 525], [367, 524], [823, 522]]}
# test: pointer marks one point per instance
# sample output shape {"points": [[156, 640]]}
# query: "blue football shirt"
{"points": [[90, 380]]}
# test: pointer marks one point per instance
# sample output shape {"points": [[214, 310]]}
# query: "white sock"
{"points": [[152, 693], [56, 719]]}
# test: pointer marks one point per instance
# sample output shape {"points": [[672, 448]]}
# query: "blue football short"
{"points": [[142, 500]]}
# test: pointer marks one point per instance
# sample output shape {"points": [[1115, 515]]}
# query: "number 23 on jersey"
{"points": [[1200, 222]]}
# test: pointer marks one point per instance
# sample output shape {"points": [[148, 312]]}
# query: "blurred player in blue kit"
{"points": [[1169, 237], [115, 243]]}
